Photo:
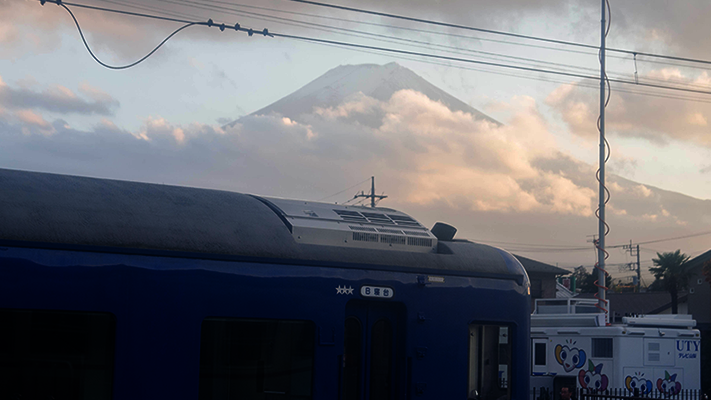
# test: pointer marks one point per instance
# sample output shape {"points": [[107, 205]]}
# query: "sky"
{"points": [[527, 184]]}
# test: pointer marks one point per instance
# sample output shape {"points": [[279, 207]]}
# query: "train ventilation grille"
{"points": [[377, 218], [362, 228], [392, 239]]}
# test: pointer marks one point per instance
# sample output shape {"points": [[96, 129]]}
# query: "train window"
{"points": [[602, 347], [256, 359], [46, 354], [489, 362]]}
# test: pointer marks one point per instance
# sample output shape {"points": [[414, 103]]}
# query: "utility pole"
{"points": [[634, 250], [372, 196], [602, 302]]}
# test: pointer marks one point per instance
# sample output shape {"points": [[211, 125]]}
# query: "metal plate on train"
{"points": [[381, 292]]}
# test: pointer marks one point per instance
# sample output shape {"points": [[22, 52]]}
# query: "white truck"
{"points": [[572, 346]]}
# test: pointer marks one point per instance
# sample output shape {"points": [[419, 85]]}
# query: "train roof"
{"points": [[70, 212]]}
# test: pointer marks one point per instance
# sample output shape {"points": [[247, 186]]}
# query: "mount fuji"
{"points": [[379, 82]]}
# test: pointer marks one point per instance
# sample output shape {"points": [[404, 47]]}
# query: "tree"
{"points": [[585, 281], [670, 269]]}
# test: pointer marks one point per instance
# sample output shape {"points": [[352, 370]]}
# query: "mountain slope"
{"points": [[376, 81]]}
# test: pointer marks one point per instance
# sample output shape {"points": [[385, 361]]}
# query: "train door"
{"points": [[374, 358]]}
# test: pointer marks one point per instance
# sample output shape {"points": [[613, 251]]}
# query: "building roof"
{"points": [[537, 267], [699, 261]]}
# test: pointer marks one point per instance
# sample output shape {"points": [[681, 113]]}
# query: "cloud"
{"points": [[654, 119], [58, 99], [433, 153], [438, 155], [643, 191], [427, 156], [622, 164], [34, 123]]}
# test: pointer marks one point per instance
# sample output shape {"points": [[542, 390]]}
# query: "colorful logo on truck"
{"points": [[592, 378], [569, 358], [668, 385], [637, 382]]}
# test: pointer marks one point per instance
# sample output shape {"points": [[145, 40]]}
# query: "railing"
{"points": [[619, 394]]}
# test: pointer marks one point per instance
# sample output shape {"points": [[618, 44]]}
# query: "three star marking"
{"points": [[344, 290]]}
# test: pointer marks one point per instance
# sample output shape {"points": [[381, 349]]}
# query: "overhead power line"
{"points": [[539, 78], [348, 188], [197, 4], [677, 238], [495, 32], [208, 23], [266, 32], [667, 239], [127, 65], [509, 66], [232, 8], [445, 24]]}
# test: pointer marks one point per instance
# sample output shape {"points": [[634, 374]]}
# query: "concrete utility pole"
{"points": [[372, 196], [634, 250], [602, 302]]}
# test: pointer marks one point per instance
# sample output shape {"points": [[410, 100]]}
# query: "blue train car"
{"points": [[123, 290]]}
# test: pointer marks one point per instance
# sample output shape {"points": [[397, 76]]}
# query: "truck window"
{"points": [[539, 354], [602, 347]]}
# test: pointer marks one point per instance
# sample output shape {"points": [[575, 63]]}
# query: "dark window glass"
{"points": [[256, 359], [540, 354], [602, 347], [381, 358], [352, 359], [489, 362], [56, 354]]}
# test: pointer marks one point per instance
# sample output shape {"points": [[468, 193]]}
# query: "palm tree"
{"points": [[672, 272]]}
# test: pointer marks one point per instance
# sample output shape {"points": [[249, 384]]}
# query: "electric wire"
{"points": [[359, 33], [520, 36], [464, 60], [582, 84], [676, 238], [390, 39], [115, 67], [666, 239], [348, 188], [390, 26], [188, 24], [444, 24], [143, 7], [493, 55], [387, 50], [450, 34]]}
